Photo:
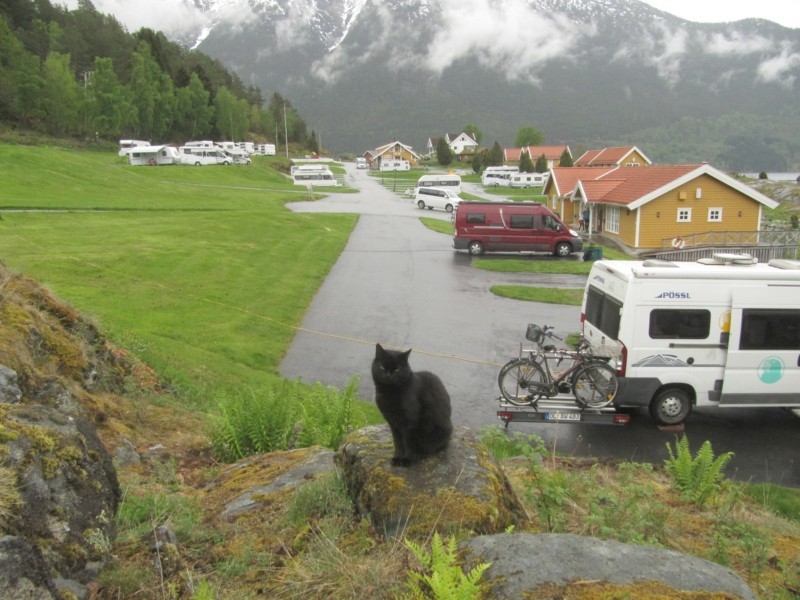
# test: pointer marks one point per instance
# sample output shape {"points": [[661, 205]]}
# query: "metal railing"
{"points": [[763, 245]]}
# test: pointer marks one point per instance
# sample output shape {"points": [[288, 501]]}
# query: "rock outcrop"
{"points": [[523, 563], [462, 488], [58, 487]]}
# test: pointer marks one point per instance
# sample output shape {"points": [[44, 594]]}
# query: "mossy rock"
{"points": [[460, 489]]}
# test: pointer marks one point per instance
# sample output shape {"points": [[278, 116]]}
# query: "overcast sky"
{"points": [[785, 12], [169, 15]]}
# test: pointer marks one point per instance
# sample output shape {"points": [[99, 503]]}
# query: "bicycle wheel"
{"points": [[521, 382], [595, 385]]}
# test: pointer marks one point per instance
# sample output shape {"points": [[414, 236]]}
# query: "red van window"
{"points": [[479, 218], [521, 222]]}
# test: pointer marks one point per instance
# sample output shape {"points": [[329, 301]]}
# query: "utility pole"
{"points": [[285, 130]]}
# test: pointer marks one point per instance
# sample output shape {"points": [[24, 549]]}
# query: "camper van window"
{"points": [[522, 221], [683, 324], [603, 312], [764, 329], [476, 218]]}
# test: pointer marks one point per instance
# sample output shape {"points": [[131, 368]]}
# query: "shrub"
{"points": [[442, 578], [699, 477], [287, 415]]}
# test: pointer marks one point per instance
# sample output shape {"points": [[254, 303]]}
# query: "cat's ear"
{"points": [[404, 355], [379, 351]]}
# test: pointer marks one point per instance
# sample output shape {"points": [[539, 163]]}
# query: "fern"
{"points": [[258, 421], [699, 477], [442, 578]]}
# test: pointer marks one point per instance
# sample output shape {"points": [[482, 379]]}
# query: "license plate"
{"points": [[562, 416]]}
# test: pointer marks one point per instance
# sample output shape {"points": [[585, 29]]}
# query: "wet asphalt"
{"points": [[402, 285]]}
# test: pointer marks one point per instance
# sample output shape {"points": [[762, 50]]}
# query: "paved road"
{"points": [[402, 285]]}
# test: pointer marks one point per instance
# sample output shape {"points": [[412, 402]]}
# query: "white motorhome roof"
{"points": [[727, 267]]}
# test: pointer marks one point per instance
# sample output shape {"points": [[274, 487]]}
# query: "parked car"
{"points": [[431, 198]]}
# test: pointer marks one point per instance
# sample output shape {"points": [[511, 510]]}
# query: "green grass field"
{"points": [[186, 266]]}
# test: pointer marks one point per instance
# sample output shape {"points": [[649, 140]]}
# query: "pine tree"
{"points": [[443, 153], [525, 164], [541, 164], [566, 159]]}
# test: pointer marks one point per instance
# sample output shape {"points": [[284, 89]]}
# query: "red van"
{"points": [[512, 227]]}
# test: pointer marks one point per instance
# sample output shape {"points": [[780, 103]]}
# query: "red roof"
{"points": [[550, 152], [566, 178], [606, 156], [634, 183]]}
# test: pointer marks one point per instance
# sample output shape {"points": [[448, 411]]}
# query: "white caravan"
{"points": [[154, 156], [265, 149], [125, 146], [498, 176], [392, 164], [526, 180], [719, 332], [442, 181], [313, 175]]}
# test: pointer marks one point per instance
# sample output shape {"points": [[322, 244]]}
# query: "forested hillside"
{"points": [[79, 73]]}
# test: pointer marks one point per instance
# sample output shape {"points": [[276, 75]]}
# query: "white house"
{"points": [[461, 144]]}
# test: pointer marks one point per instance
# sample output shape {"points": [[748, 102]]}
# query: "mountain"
{"points": [[585, 73]]}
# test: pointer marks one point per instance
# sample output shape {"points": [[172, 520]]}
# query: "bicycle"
{"points": [[524, 381]]}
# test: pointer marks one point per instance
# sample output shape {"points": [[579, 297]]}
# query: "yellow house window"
{"points": [[612, 219], [714, 215], [684, 215]]}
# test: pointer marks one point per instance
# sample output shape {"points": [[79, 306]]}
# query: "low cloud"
{"points": [[662, 48], [171, 17], [508, 36], [737, 44], [782, 69]]}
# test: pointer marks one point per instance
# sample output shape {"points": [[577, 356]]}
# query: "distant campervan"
{"points": [[313, 175], [443, 181], [498, 176]]}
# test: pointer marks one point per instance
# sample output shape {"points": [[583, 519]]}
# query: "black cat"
{"points": [[416, 406]]}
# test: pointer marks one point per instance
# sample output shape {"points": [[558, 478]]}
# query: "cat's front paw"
{"points": [[399, 461]]}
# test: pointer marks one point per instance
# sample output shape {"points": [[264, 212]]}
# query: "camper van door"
{"points": [[763, 365]]}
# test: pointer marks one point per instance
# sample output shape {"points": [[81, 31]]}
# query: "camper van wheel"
{"points": [[197, 164], [420, 204], [475, 248], [671, 406], [563, 249], [449, 208]]}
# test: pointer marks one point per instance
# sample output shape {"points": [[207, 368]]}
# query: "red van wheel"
{"points": [[475, 248], [563, 249]]}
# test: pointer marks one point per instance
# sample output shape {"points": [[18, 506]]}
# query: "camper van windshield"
{"points": [[603, 312]]}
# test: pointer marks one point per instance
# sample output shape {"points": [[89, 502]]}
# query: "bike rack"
{"points": [[561, 409]]}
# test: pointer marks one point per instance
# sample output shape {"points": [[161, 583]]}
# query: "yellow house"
{"points": [[395, 151], [660, 205], [561, 184]]}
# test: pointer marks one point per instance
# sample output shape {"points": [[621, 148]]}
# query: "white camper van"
{"points": [[719, 332], [443, 182], [202, 155]]}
